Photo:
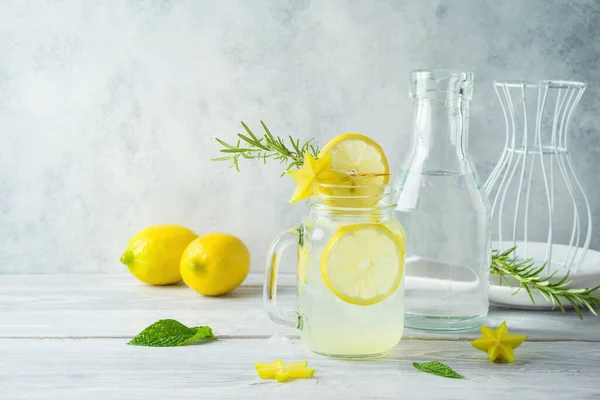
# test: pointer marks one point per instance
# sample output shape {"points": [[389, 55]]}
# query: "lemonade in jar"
{"points": [[350, 268]]}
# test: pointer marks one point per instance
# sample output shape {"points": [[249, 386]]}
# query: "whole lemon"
{"points": [[215, 264], [153, 254]]}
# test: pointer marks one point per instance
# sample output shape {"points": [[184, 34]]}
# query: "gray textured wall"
{"points": [[108, 109]]}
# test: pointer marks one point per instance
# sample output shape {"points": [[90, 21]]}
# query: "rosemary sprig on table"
{"points": [[250, 146], [530, 278]]}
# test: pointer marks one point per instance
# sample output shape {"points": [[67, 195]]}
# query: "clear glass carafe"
{"points": [[444, 210], [333, 322]]}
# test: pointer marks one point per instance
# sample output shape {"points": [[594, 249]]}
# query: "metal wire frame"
{"points": [[521, 159]]}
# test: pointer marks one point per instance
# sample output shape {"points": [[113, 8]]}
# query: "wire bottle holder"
{"points": [[538, 204]]}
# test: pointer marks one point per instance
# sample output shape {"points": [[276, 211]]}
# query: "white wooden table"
{"points": [[64, 337]]}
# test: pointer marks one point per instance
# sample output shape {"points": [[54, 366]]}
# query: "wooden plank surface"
{"points": [[64, 337], [120, 306], [109, 369]]}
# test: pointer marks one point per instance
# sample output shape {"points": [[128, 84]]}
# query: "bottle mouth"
{"points": [[440, 74], [441, 84], [353, 197]]}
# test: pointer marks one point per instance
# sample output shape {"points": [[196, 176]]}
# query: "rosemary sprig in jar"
{"points": [[252, 147]]}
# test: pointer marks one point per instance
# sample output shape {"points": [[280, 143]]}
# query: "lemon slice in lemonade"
{"points": [[363, 264], [362, 163]]}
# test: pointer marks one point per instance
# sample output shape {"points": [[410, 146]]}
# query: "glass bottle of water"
{"points": [[444, 210]]}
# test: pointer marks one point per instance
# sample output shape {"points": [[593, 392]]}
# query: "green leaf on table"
{"points": [[168, 332], [438, 368]]}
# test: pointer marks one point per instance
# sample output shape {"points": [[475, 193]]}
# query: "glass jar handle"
{"points": [[280, 243]]}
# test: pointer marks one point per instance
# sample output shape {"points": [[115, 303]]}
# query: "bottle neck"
{"points": [[440, 129]]}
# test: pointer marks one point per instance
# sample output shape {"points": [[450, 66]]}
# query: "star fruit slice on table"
{"points": [[498, 343], [281, 372], [313, 171]]}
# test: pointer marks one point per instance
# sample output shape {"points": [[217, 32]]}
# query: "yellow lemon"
{"points": [[215, 264], [363, 163], [153, 254], [363, 264]]}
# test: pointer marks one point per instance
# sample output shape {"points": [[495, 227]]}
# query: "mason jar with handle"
{"points": [[350, 270]]}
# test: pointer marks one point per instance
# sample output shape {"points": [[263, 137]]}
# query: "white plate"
{"points": [[587, 276]]}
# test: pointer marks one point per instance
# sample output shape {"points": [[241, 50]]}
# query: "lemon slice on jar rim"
{"points": [[363, 264], [362, 163]]}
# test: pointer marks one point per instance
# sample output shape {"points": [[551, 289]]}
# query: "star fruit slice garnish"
{"points": [[313, 171]]}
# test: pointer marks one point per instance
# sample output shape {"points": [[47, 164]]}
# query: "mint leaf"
{"points": [[202, 332], [168, 332], [439, 369]]}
